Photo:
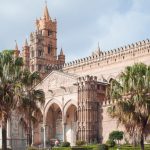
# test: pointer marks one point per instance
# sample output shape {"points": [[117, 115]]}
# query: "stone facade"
{"points": [[75, 106]]}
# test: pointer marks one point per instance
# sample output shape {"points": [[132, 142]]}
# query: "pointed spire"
{"points": [[98, 47], [16, 47], [26, 43], [46, 13], [61, 52], [16, 51]]}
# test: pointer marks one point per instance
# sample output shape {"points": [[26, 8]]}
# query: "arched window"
{"points": [[40, 53]]}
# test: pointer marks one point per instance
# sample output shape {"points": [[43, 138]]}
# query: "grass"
{"points": [[122, 147], [130, 147]]}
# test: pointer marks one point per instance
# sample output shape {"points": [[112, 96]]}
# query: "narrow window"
{"points": [[40, 53], [49, 32], [49, 49]]}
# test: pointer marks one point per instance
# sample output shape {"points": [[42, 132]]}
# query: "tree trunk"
{"points": [[4, 132], [30, 136], [142, 142], [30, 129]]}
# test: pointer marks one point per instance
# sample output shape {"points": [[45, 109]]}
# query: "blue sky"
{"points": [[81, 23]]}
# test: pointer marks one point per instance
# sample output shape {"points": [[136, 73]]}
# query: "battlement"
{"points": [[87, 78], [114, 55]]}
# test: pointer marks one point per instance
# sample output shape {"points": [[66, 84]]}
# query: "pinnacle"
{"points": [[46, 13], [16, 47], [61, 52], [26, 43]]}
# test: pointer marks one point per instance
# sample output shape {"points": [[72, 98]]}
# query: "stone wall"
{"points": [[108, 124]]}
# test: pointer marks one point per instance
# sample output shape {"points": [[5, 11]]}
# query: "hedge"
{"points": [[72, 148], [34, 148], [61, 148]]}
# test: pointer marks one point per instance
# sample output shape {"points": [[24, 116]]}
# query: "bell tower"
{"points": [[43, 44]]}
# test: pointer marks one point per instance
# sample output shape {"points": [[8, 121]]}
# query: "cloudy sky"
{"points": [[81, 23]]}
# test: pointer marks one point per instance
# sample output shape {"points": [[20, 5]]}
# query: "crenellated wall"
{"points": [[110, 63]]}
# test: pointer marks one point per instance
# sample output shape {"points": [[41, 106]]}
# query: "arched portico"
{"points": [[54, 122], [48, 105], [70, 123]]}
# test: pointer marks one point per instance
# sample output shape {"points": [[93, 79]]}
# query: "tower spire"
{"points": [[98, 46], [61, 52], [26, 42], [16, 47], [16, 51], [46, 13]]}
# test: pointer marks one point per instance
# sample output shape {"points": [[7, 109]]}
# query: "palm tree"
{"points": [[10, 72], [131, 96], [32, 99]]}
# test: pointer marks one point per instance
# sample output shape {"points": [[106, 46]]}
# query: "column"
{"points": [[8, 133], [63, 119], [64, 131], [44, 130], [32, 135]]}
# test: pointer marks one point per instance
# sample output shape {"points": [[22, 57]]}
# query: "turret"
{"points": [[16, 51], [26, 54], [87, 109], [61, 57], [98, 51]]}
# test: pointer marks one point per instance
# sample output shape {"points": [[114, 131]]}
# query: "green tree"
{"points": [[131, 97], [32, 100], [10, 86], [116, 136]]}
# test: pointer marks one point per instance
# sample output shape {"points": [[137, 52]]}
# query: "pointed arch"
{"points": [[49, 104], [68, 104]]}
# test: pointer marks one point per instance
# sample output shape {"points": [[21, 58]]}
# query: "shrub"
{"points": [[102, 147], [116, 135], [81, 148], [111, 143], [80, 143], [65, 144], [31, 148]]}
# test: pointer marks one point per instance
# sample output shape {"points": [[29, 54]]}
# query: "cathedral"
{"points": [[75, 100]]}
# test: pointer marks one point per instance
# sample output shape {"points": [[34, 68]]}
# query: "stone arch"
{"points": [[48, 105], [70, 116], [68, 104], [53, 120]]}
